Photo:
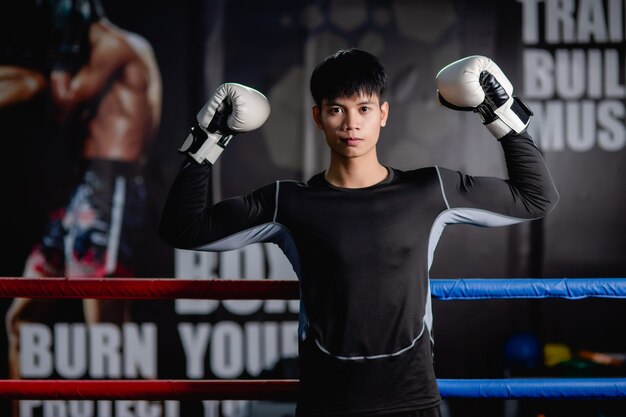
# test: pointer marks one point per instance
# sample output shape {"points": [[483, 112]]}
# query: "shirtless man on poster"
{"points": [[111, 105]]}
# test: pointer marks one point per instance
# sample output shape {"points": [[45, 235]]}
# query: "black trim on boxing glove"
{"points": [[194, 140], [521, 109], [495, 97], [219, 122]]}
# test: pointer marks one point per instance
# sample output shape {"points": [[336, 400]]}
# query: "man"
{"points": [[105, 88], [360, 235]]}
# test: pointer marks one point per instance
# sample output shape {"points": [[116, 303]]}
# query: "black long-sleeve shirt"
{"points": [[362, 257]]}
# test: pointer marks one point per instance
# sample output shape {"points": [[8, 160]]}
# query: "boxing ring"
{"points": [[286, 389]]}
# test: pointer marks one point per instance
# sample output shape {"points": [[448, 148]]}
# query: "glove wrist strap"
{"points": [[514, 116], [202, 145]]}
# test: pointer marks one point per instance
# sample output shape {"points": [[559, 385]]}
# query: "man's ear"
{"points": [[317, 115], [384, 113]]}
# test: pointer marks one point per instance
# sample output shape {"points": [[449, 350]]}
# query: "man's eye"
{"points": [[365, 109], [335, 110]]}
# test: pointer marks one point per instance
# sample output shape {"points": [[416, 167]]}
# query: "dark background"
{"points": [[271, 45]]}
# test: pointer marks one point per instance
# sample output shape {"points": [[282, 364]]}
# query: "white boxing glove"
{"points": [[234, 108], [476, 83]]}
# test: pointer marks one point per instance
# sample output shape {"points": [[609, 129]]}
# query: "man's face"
{"points": [[351, 125]]}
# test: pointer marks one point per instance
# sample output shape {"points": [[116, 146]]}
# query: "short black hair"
{"points": [[346, 73]]}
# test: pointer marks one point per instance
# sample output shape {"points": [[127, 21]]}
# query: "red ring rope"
{"points": [[149, 288], [280, 389]]}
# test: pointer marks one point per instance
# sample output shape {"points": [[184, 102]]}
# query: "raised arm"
{"points": [[189, 219], [477, 84], [528, 193]]}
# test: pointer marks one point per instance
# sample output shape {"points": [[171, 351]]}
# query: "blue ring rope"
{"points": [[547, 388], [497, 288]]}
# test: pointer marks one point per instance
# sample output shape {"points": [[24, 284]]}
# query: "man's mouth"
{"points": [[351, 141]]}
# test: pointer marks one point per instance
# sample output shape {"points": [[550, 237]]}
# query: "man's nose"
{"points": [[351, 121]]}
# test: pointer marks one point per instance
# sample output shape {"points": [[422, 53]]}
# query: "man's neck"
{"points": [[355, 173]]}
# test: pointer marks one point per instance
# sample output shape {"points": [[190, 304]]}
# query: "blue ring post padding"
{"points": [[549, 388], [569, 288]]}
